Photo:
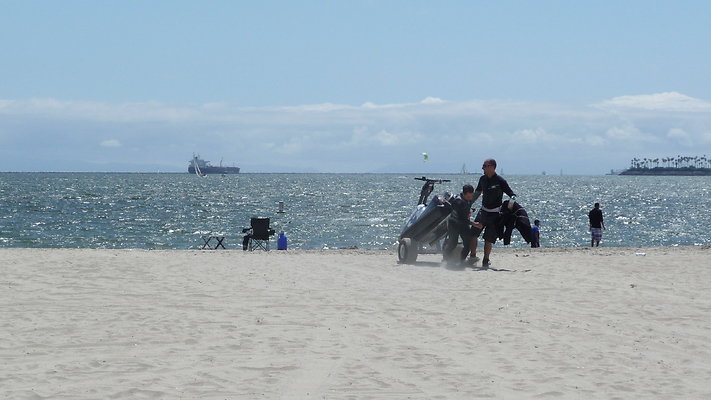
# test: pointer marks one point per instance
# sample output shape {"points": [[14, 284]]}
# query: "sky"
{"points": [[352, 86]]}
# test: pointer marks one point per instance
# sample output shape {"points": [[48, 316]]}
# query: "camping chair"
{"points": [[258, 236]]}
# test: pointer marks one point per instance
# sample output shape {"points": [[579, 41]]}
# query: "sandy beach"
{"points": [[578, 323]]}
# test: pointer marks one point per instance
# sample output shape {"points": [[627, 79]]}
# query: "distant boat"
{"points": [[201, 167], [195, 165], [464, 170]]}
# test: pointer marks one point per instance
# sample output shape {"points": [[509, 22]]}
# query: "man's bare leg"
{"points": [[487, 252]]}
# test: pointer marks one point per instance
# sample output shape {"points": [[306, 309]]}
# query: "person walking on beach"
{"points": [[492, 188], [536, 234], [596, 225], [459, 224]]}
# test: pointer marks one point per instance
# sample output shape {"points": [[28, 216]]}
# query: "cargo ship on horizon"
{"points": [[202, 167]]}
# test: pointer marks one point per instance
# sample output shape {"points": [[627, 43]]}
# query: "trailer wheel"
{"points": [[407, 251]]}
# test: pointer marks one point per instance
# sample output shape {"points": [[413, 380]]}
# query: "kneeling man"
{"points": [[459, 224]]}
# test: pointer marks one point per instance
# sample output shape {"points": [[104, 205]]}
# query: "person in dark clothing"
{"points": [[459, 223], [492, 188], [513, 216], [596, 225]]}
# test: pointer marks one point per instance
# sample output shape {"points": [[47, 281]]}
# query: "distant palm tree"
{"points": [[678, 161]]}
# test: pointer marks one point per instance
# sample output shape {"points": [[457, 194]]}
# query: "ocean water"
{"points": [[172, 211]]}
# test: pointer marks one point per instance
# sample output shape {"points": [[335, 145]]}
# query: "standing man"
{"points": [[492, 187], [459, 224], [596, 225]]}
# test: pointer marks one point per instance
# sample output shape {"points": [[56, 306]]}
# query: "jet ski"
{"points": [[427, 224]]}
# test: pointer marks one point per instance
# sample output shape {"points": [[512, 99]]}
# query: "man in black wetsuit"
{"points": [[492, 187], [459, 224]]}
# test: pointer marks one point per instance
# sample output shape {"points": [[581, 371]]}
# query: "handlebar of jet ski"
{"points": [[424, 179]]}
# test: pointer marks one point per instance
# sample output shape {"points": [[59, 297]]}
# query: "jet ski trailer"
{"points": [[427, 225]]}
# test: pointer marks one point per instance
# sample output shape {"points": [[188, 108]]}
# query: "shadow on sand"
{"points": [[492, 269], [427, 264], [460, 267], [464, 267]]}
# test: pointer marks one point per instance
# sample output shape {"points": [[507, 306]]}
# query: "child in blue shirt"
{"points": [[536, 234]]}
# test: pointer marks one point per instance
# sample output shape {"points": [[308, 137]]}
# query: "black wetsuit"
{"points": [[515, 218], [492, 191], [458, 225]]}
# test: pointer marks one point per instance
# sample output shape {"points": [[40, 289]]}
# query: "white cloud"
{"points": [[680, 136], [478, 139], [668, 101], [362, 137], [331, 137], [369, 105], [432, 100], [110, 143], [530, 136], [323, 107], [595, 141], [590, 140], [292, 146], [627, 132], [386, 138]]}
